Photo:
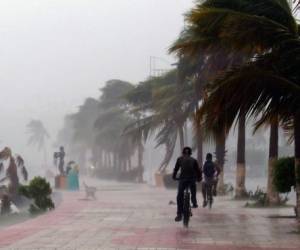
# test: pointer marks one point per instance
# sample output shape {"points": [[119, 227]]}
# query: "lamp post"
{"points": [[154, 71]]}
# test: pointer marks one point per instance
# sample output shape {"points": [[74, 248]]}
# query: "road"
{"points": [[132, 216]]}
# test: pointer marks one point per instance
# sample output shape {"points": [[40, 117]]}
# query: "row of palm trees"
{"points": [[237, 64], [243, 55], [96, 129]]}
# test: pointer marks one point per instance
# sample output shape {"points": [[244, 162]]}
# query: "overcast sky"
{"points": [[55, 53]]}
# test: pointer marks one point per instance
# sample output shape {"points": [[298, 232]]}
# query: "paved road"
{"points": [[127, 216]]}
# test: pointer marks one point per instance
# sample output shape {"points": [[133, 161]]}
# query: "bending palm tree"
{"points": [[226, 25], [269, 85], [203, 65], [38, 136], [166, 106]]}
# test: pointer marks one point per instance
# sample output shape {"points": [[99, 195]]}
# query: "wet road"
{"points": [[128, 216]]}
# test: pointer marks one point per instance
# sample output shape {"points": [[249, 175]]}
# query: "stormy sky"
{"points": [[55, 53]]}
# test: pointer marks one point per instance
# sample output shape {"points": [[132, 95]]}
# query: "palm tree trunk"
{"points": [[140, 161], [122, 166], [109, 159], [199, 133], [220, 156], [199, 138], [114, 160], [181, 137], [125, 165], [119, 168], [272, 194], [240, 188], [100, 158], [129, 163], [105, 160], [186, 136], [297, 162]]}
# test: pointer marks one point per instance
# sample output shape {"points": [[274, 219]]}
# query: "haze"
{"points": [[55, 53]]}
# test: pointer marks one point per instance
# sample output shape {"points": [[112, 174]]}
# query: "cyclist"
{"points": [[210, 172], [189, 174]]}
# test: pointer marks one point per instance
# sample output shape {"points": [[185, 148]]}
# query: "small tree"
{"points": [[39, 191], [38, 136], [284, 175]]}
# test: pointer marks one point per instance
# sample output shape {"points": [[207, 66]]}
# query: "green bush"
{"points": [[284, 175], [39, 191]]}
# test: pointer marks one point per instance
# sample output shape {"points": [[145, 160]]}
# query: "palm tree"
{"points": [[188, 73], [240, 190], [272, 194], [109, 128], [38, 136], [167, 106], [11, 172], [268, 85], [217, 23], [113, 116], [203, 65], [83, 132]]}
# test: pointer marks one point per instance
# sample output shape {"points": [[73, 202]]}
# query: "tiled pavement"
{"points": [[127, 216]]}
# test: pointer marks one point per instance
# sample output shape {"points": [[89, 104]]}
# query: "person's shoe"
{"points": [[195, 206], [204, 204], [178, 218]]}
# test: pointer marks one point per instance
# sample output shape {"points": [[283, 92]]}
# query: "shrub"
{"points": [[39, 191], [226, 189], [259, 198], [284, 175]]}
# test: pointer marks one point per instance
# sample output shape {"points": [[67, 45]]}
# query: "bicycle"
{"points": [[208, 185], [187, 209]]}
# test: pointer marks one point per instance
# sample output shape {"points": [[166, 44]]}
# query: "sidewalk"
{"points": [[128, 216]]}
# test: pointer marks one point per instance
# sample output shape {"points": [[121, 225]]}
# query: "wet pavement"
{"points": [[128, 216]]}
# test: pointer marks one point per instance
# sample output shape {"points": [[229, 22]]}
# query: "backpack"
{"points": [[209, 169]]}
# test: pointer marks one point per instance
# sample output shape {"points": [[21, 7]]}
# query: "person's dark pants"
{"points": [[182, 185]]}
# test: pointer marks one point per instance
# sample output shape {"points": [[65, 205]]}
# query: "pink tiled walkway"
{"points": [[127, 216]]}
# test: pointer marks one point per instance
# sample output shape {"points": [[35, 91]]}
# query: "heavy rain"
{"points": [[150, 124]]}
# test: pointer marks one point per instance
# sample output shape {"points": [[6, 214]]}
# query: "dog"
{"points": [[90, 191]]}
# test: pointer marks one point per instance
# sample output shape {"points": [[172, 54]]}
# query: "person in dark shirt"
{"points": [[210, 172], [189, 174]]}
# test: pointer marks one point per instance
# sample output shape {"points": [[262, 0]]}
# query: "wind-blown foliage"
{"points": [[113, 118], [97, 127], [83, 122], [37, 134], [166, 106], [266, 83], [266, 78], [284, 175]]}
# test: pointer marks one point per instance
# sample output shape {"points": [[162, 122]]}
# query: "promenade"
{"points": [[133, 216]]}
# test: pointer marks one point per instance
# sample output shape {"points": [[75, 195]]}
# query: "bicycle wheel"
{"points": [[209, 195], [186, 209]]}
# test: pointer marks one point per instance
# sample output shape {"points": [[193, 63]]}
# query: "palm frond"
{"points": [[255, 90], [38, 134], [229, 28]]}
